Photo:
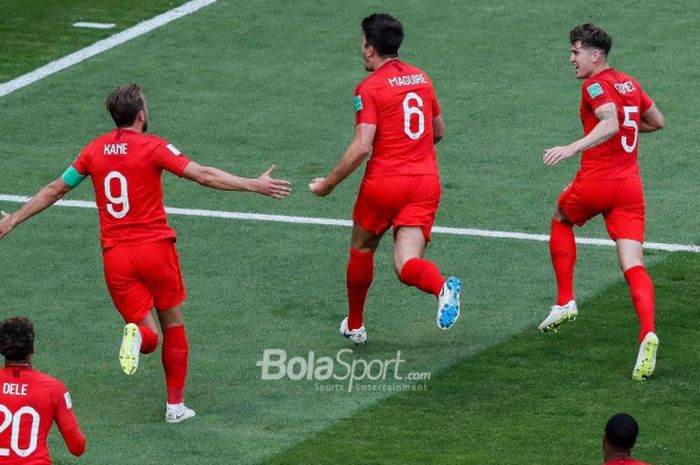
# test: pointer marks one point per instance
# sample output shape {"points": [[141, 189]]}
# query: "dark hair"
{"points": [[621, 431], [384, 33], [124, 104], [591, 36], [16, 338]]}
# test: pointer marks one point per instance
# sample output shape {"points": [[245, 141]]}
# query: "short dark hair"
{"points": [[16, 338], [124, 104], [621, 431], [384, 33], [591, 36]]}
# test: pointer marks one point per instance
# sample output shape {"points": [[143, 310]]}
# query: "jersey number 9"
{"points": [[121, 199]]}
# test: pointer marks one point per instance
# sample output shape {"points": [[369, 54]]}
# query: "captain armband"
{"points": [[72, 177]]}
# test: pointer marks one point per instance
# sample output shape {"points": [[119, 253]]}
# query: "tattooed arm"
{"points": [[608, 125]]}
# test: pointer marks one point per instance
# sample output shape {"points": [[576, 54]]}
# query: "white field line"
{"points": [[348, 223], [94, 25], [103, 45]]}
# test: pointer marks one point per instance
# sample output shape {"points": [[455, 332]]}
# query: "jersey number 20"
{"points": [[123, 197], [8, 419]]}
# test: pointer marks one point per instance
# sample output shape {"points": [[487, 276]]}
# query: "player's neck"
{"points": [[599, 69], [135, 128], [382, 61], [611, 455], [18, 363]]}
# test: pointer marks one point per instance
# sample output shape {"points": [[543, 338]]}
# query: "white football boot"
{"points": [[448, 303], [646, 358], [358, 336], [176, 413], [558, 315], [130, 349]]}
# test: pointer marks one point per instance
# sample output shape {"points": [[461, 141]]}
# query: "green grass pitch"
{"points": [[240, 85]]}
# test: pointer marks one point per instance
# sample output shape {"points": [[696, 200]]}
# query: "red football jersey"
{"points": [[126, 167], [625, 461], [30, 401], [400, 100], [616, 157]]}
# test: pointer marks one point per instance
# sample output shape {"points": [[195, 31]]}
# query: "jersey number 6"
{"points": [[409, 111], [123, 197]]}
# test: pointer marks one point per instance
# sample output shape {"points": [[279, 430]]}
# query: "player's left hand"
{"points": [[556, 154], [320, 187], [6, 225], [275, 188]]}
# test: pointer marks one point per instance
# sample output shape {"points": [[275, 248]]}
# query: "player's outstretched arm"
{"points": [[46, 197], [358, 149], [651, 120], [221, 180], [608, 125]]}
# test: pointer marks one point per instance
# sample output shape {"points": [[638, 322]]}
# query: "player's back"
{"points": [[125, 167], [616, 157], [27, 407], [400, 100]]}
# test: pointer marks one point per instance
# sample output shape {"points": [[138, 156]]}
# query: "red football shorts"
{"points": [[144, 276], [394, 201], [621, 201]]}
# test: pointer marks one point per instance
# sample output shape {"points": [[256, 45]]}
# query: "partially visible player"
{"points": [[397, 119], [141, 265], [30, 401], [619, 439], [614, 110]]}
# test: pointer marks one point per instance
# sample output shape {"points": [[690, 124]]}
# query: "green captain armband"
{"points": [[72, 177]]}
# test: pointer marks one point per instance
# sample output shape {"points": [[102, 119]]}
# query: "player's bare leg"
{"points": [[413, 270], [630, 254], [359, 276], [137, 338], [562, 248], [175, 354]]}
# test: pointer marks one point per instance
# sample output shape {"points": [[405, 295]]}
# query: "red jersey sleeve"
{"points": [[82, 163], [168, 157], [597, 93], [67, 421], [365, 106]]}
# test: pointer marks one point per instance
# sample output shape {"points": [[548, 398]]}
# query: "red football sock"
{"points": [[562, 248], [175, 351], [149, 339], [358, 280], [642, 292], [422, 274]]}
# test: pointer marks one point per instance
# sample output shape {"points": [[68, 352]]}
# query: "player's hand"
{"points": [[556, 154], [275, 188], [320, 187], [6, 225]]}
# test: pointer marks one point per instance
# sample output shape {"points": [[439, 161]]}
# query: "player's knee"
{"points": [[559, 217], [171, 318]]}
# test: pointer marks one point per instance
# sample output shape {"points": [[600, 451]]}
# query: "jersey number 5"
{"points": [[123, 197], [630, 123], [409, 111], [9, 419]]}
